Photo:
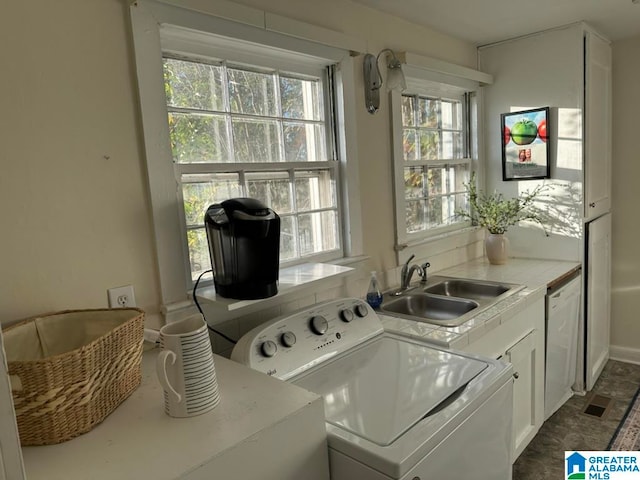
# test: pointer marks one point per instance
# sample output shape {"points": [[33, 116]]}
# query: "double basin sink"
{"points": [[446, 301]]}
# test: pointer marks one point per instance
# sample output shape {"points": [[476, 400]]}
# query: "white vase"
{"points": [[497, 247]]}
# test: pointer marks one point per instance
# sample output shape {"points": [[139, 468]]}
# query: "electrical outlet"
{"points": [[122, 297]]}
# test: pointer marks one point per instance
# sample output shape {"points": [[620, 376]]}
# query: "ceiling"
{"points": [[486, 21]]}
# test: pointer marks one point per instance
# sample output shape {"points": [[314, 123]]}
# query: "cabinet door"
{"points": [[597, 200], [523, 356], [598, 297], [519, 340]]}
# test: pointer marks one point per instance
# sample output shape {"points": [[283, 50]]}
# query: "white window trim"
{"points": [[431, 76], [273, 22], [148, 18]]}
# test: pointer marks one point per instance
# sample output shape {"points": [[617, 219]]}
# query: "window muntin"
{"points": [[245, 131], [436, 162]]}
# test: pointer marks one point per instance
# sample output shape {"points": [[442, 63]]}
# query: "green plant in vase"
{"points": [[497, 213]]}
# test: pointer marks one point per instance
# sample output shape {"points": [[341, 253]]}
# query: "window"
{"points": [[233, 109], [433, 156], [436, 161], [241, 131]]}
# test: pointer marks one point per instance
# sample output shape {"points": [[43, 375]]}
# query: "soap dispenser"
{"points": [[374, 296]]}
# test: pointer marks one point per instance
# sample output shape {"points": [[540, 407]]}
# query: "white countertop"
{"points": [[532, 273], [536, 275], [139, 441]]}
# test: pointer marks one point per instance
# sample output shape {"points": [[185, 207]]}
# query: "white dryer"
{"points": [[395, 407]]}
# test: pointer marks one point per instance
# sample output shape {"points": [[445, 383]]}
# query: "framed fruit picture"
{"points": [[525, 144]]}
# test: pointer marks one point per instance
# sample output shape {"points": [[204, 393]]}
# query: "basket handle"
{"points": [[161, 370]]}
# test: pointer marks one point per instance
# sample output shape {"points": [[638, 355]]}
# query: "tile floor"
{"points": [[571, 429]]}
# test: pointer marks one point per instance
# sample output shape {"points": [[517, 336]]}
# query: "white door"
{"points": [[11, 466], [597, 136], [598, 297]]}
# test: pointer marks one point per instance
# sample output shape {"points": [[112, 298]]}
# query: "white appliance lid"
{"points": [[380, 390]]}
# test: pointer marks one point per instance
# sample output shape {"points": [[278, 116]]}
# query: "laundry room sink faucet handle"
{"points": [[423, 275]]}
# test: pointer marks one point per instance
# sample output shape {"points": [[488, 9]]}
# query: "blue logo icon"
{"points": [[576, 466]]}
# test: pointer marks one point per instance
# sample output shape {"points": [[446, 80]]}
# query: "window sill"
{"points": [[292, 280], [416, 242]]}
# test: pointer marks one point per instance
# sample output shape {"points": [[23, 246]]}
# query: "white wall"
{"points": [[625, 283], [531, 72], [76, 215], [75, 211]]}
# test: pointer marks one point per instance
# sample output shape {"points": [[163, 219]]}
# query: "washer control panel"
{"points": [[290, 344]]}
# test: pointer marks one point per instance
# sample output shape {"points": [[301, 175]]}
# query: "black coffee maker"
{"points": [[244, 245]]}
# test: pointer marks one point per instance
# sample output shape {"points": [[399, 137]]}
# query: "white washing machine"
{"points": [[395, 407]]}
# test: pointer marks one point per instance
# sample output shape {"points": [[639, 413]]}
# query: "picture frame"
{"points": [[525, 144]]}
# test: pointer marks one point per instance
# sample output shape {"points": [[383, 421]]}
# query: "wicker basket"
{"points": [[69, 370]]}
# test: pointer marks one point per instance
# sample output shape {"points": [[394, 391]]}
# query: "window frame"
{"points": [[432, 84], [289, 168], [158, 28]]}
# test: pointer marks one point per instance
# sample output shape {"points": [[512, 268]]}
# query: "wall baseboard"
{"points": [[624, 354]]}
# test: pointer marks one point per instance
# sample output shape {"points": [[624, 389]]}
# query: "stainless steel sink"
{"points": [[447, 301], [435, 308], [468, 289]]}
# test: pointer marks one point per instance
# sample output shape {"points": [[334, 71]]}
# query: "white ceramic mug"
{"points": [[185, 368]]}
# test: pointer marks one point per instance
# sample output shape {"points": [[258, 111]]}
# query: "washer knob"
{"points": [[268, 348], [346, 315], [361, 310], [288, 339], [319, 325]]}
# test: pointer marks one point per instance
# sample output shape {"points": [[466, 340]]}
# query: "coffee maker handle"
{"points": [[161, 371]]}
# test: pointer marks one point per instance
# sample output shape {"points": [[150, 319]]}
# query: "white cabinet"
{"points": [[519, 339], [263, 428], [597, 136], [598, 304], [523, 356], [597, 203], [578, 60]]}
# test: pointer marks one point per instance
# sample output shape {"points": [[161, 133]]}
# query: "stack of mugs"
{"points": [[185, 368]]}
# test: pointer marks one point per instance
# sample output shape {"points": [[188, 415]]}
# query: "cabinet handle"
{"points": [[592, 205], [516, 375]]}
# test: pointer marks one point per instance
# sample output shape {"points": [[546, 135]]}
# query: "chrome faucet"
{"points": [[407, 272]]}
